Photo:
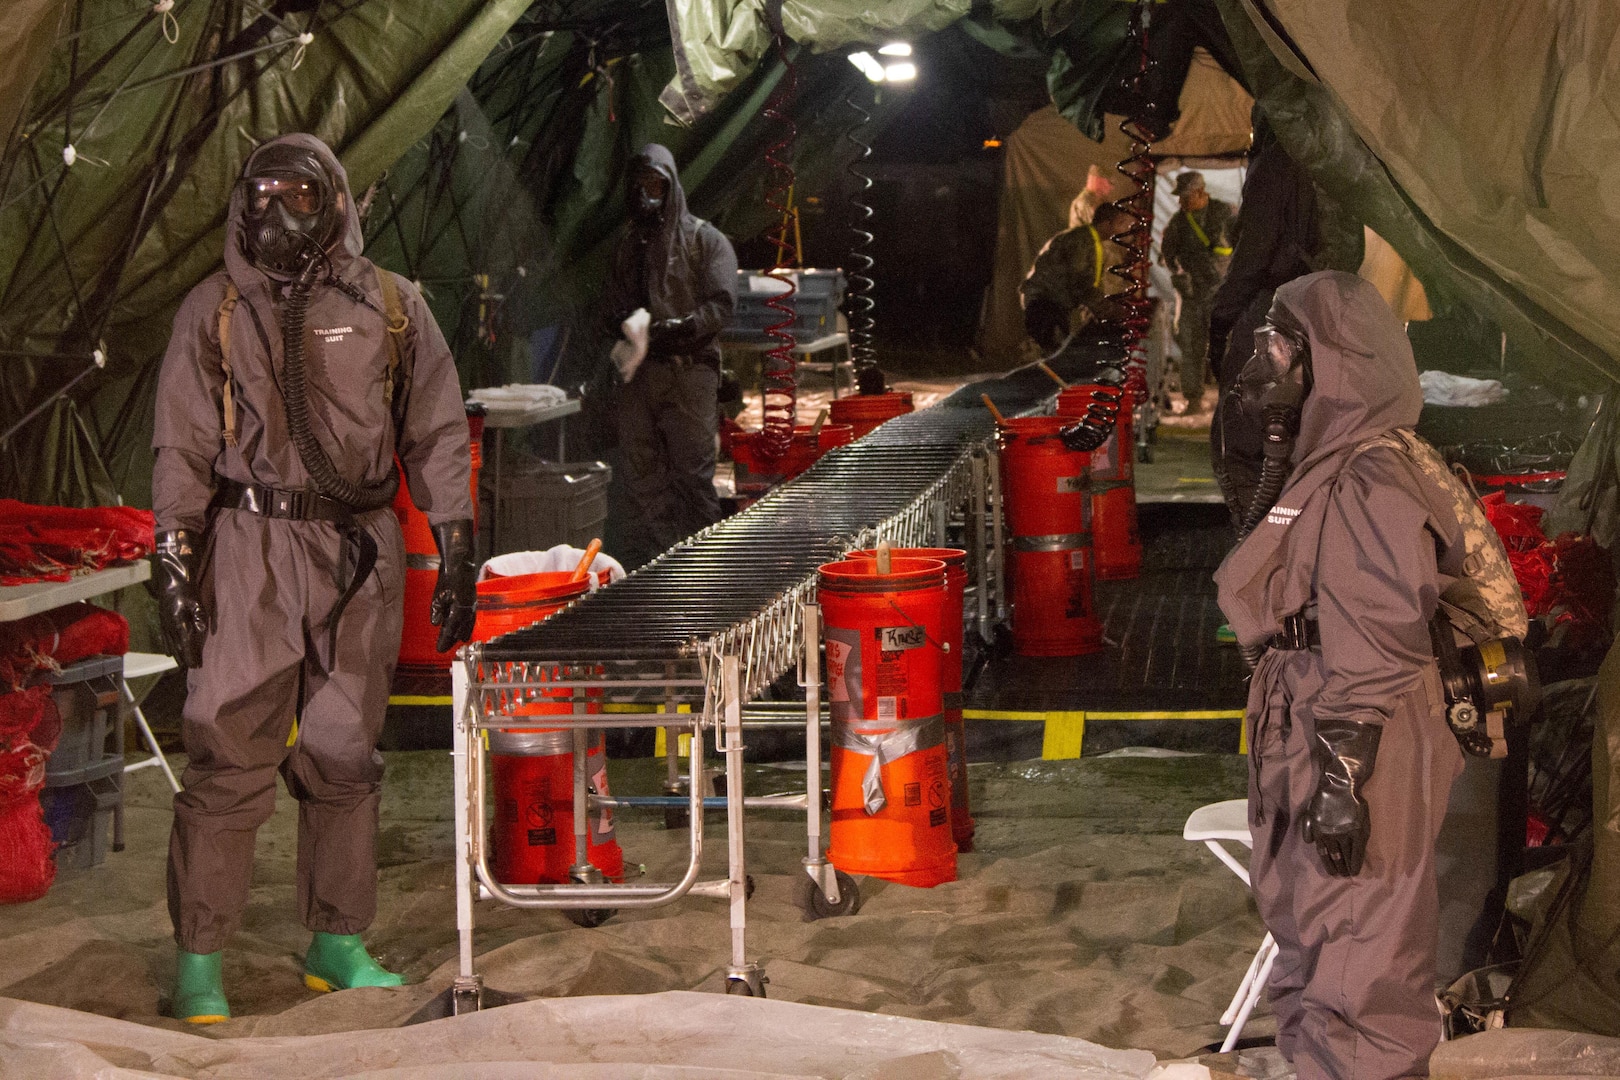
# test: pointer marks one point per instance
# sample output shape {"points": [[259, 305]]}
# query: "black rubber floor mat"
{"points": [[1162, 654]]}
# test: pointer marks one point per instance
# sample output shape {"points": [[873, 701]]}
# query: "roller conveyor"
{"points": [[683, 642]]}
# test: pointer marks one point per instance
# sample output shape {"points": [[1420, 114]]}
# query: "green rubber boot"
{"points": [[199, 989], [340, 962]]}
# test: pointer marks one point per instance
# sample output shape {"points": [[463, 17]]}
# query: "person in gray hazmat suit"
{"points": [[683, 271], [1347, 548], [1197, 248], [292, 378]]}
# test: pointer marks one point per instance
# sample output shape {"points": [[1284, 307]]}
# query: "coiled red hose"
{"points": [[780, 388], [1136, 309]]}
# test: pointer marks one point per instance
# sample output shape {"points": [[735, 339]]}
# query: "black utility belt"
{"points": [[272, 502], [682, 360], [1298, 634]]}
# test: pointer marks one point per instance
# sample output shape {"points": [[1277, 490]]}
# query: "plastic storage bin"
{"points": [[542, 504], [80, 817], [92, 741], [815, 305]]}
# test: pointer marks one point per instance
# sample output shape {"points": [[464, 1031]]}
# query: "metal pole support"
{"points": [[467, 990]]}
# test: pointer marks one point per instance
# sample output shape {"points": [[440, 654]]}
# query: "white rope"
{"points": [[303, 43], [171, 25]]}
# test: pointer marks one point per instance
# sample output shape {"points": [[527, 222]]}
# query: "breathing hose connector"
{"points": [[295, 396]]}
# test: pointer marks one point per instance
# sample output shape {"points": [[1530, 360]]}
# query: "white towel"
{"points": [[631, 350], [1444, 388]]}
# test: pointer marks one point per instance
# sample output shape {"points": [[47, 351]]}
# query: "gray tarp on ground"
{"points": [[677, 1035]]}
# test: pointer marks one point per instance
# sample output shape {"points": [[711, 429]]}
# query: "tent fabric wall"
{"points": [[1318, 131], [102, 246], [1501, 122], [1045, 165]]}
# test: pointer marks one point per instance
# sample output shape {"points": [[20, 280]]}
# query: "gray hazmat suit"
{"points": [[1363, 545], [679, 266], [270, 584]]}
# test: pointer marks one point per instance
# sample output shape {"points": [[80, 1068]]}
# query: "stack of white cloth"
{"points": [[551, 561], [518, 397], [1459, 391]]}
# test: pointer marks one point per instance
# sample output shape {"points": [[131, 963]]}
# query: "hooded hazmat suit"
{"points": [[678, 267], [1361, 545], [271, 581]]}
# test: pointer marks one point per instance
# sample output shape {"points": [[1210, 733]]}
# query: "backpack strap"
{"points": [[227, 307], [399, 373]]}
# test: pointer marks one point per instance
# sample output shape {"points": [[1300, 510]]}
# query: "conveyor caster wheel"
{"points": [[815, 904], [749, 982], [589, 918]]}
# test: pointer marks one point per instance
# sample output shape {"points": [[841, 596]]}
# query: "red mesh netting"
{"points": [[51, 543], [29, 727], [57, 638], [1569, 581]]}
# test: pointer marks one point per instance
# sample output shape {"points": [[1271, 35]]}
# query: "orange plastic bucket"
{"points": [[1115, 537], [755, 474], [532, 835], [891, 792], [955, 560], [863, 412], [1044, 483], [418, 643], [506, 604], [1052, 612]]}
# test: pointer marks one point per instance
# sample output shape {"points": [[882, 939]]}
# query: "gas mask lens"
{"points": [[301, 197], [1276, 353]]}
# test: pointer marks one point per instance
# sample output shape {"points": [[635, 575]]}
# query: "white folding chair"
{"points": [[137, 664], [1212, 824]]}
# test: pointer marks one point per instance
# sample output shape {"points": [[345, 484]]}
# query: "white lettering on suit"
{"points": [[1281, 515], [333, 335]]}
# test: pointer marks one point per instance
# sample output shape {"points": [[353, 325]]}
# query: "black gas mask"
{"points": [[1269, 396], [293, 210], [649, 192]]}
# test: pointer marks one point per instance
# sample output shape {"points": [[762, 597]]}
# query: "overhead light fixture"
{"points": [[900, 72], [896, 48], [868, 65]]}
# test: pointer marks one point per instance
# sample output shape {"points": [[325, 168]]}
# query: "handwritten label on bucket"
{"points": [[1069, 485], [901, 638]]}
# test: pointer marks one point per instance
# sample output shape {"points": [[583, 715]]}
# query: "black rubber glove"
{"points": [[175, 585], [665, 334], [1047, 322], [1336, 820], [456, 591]]}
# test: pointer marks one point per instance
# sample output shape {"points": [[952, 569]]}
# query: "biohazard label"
{"points": [[1069, 485], [542, 837], [901, 638], [888, 707]]}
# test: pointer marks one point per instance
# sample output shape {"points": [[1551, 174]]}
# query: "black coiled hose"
{"points": [[858, 301], [295, 396], [1279, 425]]}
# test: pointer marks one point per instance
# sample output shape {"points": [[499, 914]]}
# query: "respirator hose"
{"points": [[1092, 430], [321, 471], [1280, 425]]}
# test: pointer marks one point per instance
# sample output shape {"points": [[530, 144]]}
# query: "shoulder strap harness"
{"points": [[399, 372]]}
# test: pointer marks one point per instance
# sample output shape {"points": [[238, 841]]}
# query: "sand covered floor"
{"points": [[1081, 913]]}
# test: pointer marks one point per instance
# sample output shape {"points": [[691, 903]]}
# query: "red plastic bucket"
{"points": [[1048, 507], [955, 560], [1115, 537], [863, 412], [1052, 612], [506, 604], [417, 644], [891, 791], [532, 835], [755, 474]]}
